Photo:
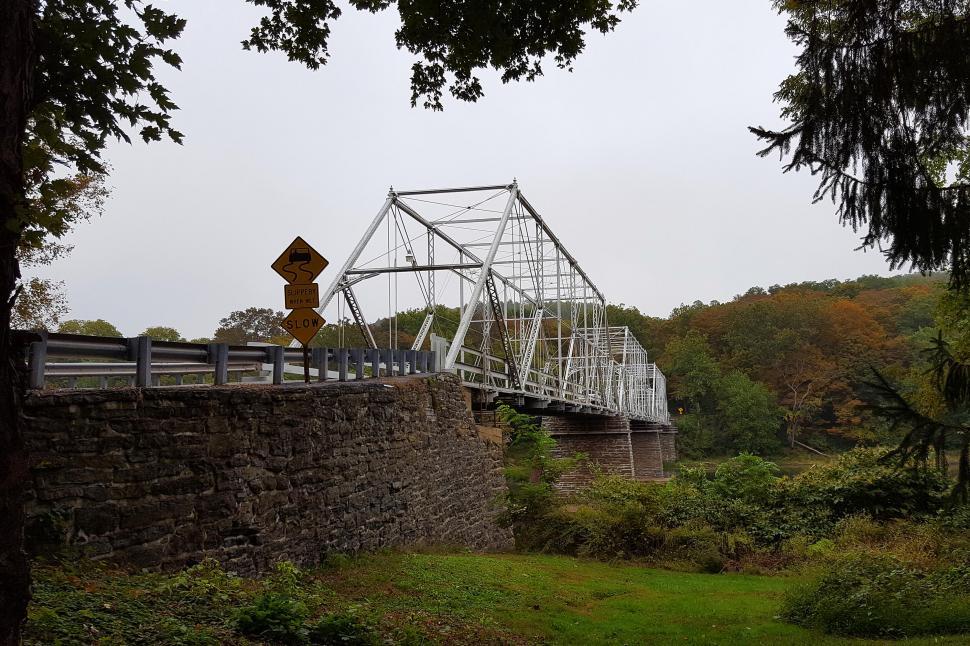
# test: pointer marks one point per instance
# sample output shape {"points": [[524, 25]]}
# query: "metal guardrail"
{"points": [[142, 362]]}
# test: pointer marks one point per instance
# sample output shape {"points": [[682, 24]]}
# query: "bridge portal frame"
{"points": [[527, 298]]}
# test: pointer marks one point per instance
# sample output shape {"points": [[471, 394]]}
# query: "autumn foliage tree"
{"points": [[810, 345]]}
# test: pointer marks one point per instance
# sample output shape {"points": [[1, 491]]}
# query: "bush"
{"points": [[346, 630], [697, 545], [879, 596], [274, 617], [746, 477], [745, 512], [860, 483]]}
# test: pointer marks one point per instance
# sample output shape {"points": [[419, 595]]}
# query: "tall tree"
{"points": [[879, 109], [97, 327], [162, 333], [76, 73], [251, 324]]}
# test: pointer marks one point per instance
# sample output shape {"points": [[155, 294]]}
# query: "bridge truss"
{"points": [[530, 325]]}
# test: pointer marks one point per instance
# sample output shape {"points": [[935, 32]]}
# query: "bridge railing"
{"points": [[488, 371], [74, 359], [637, 389]]}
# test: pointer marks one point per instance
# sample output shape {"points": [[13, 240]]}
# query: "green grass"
{"points": [[417, 598]]}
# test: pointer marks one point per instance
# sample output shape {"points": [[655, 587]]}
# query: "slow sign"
{"points": [[303, 324]]}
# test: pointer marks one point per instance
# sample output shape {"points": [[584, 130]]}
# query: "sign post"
{"points": [[299, 265]]}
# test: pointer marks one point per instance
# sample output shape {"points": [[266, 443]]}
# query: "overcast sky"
{"points": [[639, 160]]}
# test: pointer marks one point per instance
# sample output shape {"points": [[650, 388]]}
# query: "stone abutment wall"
{"points": [[163, 477]]}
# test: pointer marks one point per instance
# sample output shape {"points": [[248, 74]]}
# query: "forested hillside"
{"points": [[791, 363]]}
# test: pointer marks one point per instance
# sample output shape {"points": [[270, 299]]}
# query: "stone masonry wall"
{"points": [[164, 477], [606, 452], [616, 445], [668, 445], [647, 455], [604, 440]]}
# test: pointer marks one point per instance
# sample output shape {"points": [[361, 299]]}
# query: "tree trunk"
{"points": [[16, 66]]}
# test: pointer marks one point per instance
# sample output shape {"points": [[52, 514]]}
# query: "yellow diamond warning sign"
{"points": [[300, 263], [303, 324]]}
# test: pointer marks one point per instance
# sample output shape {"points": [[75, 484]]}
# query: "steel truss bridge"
{"points": [[530, 326]]}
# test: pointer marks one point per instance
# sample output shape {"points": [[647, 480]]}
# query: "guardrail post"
{"points": [[402, 367], [318, 357], [38, 362], [342, 363], [387, 357], [359, 362], [412, 361], [275, 353], [433, 361], [219, 356], [140, 349], [374, 356]]}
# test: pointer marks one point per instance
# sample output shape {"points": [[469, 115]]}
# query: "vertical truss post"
{"points": [[476, 294]]}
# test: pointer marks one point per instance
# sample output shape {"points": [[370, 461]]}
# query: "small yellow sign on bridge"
{"points": [[298, 296]]}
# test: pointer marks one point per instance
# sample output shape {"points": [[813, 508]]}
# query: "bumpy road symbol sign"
{"points": [[303, 324], [300, 263]]}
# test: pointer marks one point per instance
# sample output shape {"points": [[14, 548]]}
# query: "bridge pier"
{"points": [[613, 444]]}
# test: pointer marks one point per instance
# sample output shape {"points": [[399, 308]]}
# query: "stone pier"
{"points": [[614, 445]]}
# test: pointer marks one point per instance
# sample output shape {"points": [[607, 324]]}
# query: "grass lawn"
{"points": [[426, 598]]}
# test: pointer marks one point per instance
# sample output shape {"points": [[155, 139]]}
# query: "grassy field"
{"points": [[429, 598]]}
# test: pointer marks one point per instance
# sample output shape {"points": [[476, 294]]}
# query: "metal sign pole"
{"points": [[306, 363]]}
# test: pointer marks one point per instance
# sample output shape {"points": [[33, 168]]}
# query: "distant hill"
{"points": [[811, 344]]}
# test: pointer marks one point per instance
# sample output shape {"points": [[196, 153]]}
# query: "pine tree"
{"points": [[878, 109], [926, 433]]}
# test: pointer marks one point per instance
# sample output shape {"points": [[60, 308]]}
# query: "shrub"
{"points": [[879, 596], [860, 483], [274, 617], [698, 545], [746, 477], [346, 630], [617, 532]]}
